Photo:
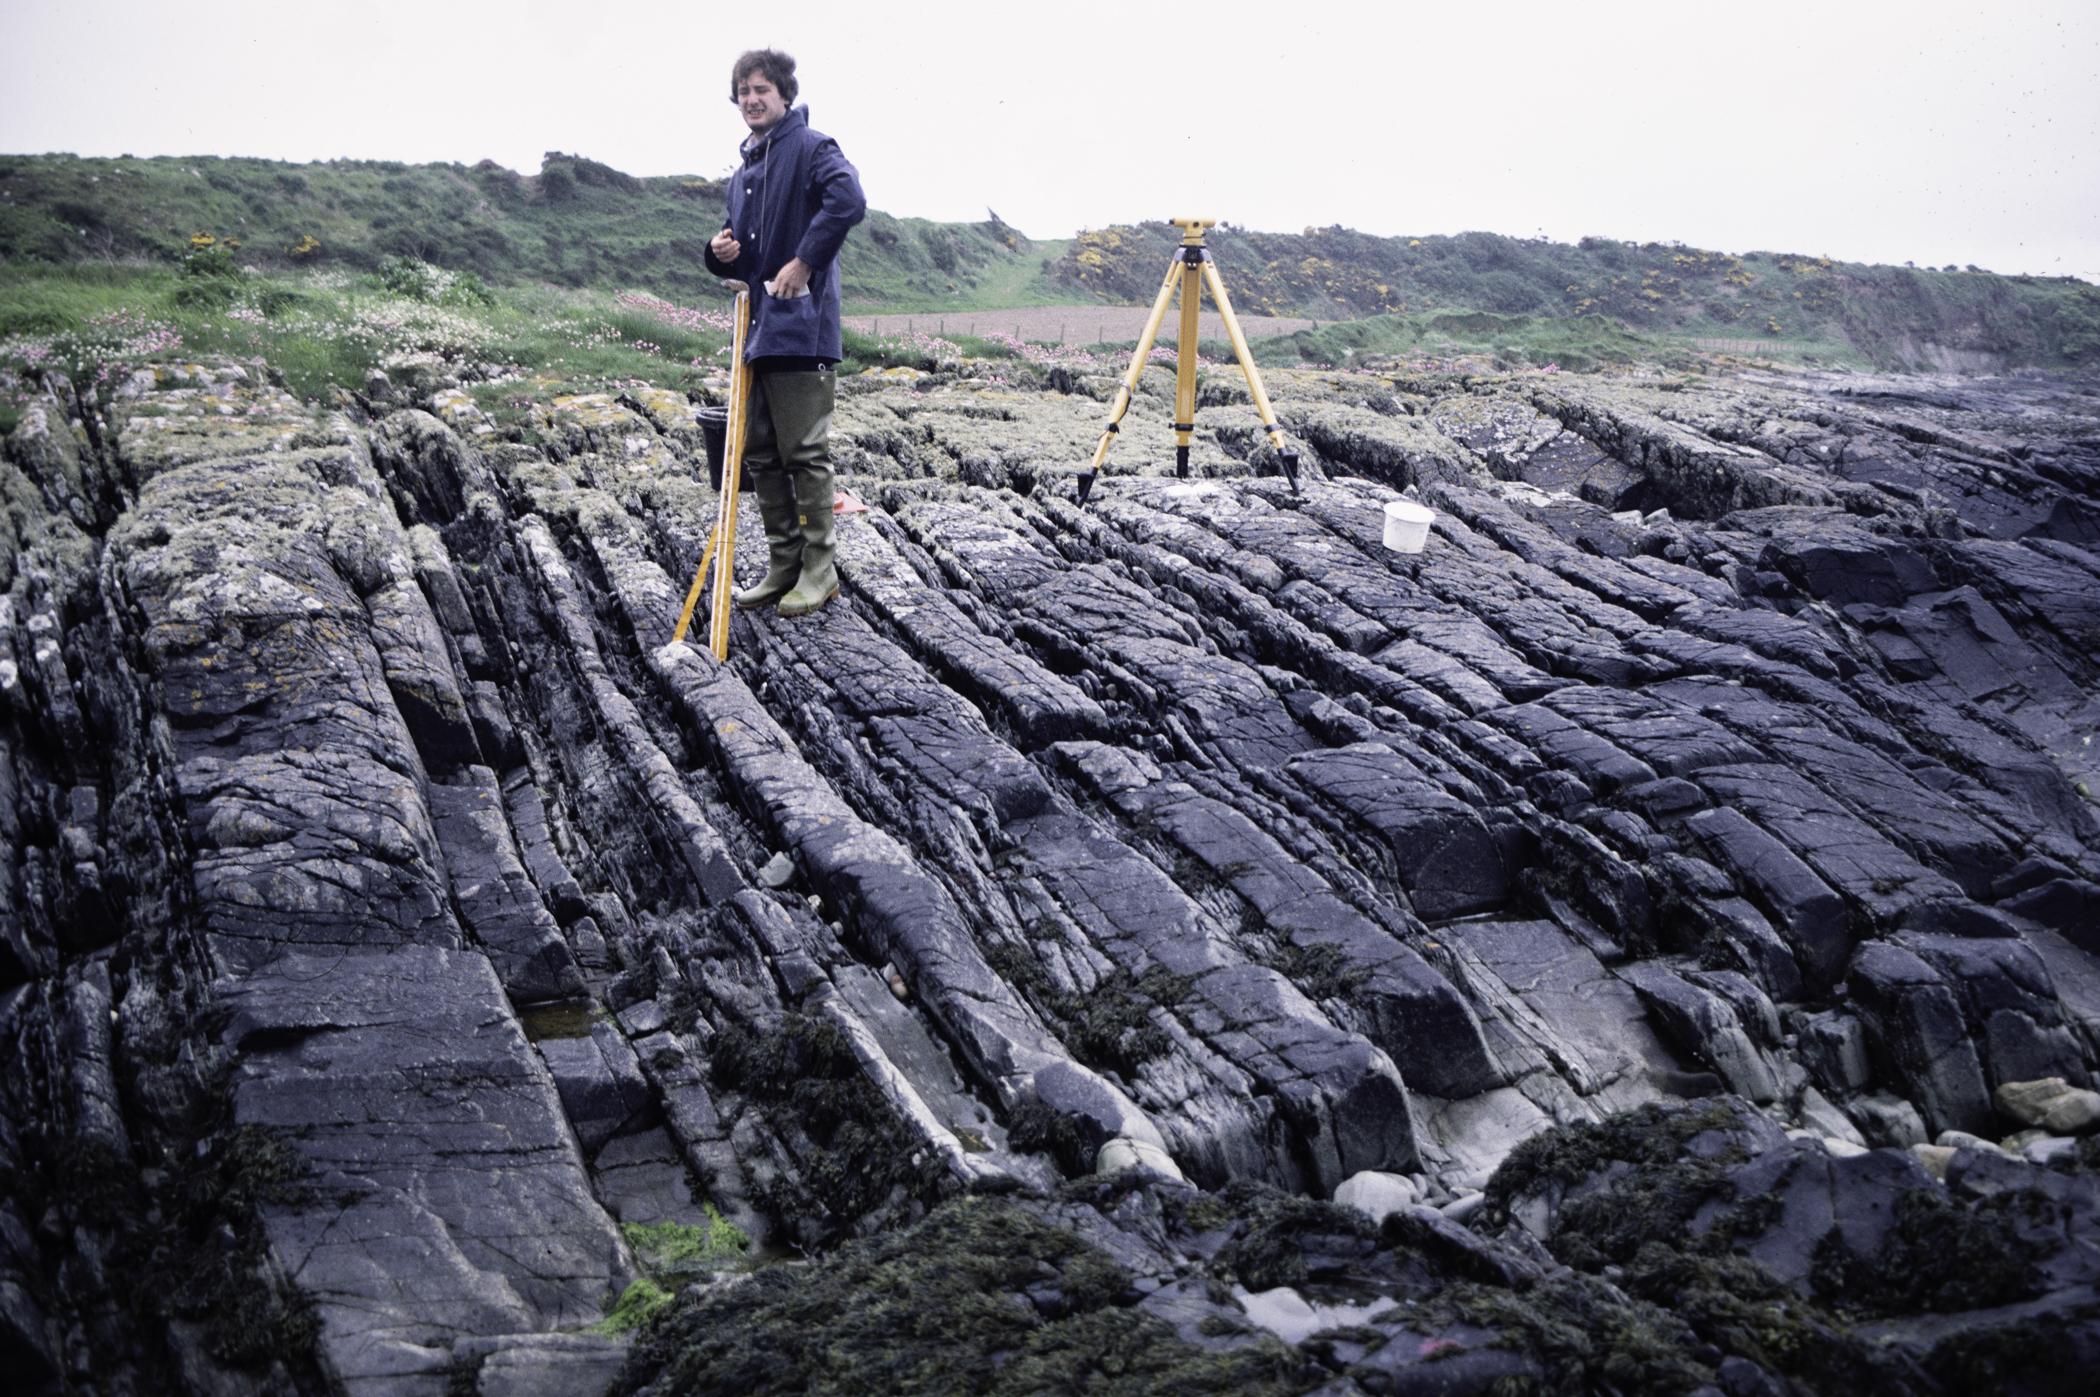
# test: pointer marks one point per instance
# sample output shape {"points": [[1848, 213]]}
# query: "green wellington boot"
{"points": [[802, 405], [776, 510], [770, 481], [819, 580]]}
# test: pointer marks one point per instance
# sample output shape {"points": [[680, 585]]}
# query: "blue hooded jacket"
{"points": [[794, 196]]}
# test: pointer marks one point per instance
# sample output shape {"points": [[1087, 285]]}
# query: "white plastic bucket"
{"points": [[1407, 525]]}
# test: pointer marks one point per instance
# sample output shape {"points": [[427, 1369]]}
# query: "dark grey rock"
{"points": [[1811, 915], [1915, 1021], [1708, 1026], [497, 901], [1445, 859]]}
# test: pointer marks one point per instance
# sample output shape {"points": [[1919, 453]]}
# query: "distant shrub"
{"points": [[419, 281], [557, 184]]}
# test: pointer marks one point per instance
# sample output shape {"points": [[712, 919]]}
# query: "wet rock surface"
{"points": [[1669, 902]]}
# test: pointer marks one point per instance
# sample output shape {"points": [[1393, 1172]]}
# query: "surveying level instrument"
{"points": [[1190, 269], [721, 544]]}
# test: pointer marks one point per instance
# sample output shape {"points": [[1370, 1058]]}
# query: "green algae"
{"points": [[641, 1299], [673, 1248]]}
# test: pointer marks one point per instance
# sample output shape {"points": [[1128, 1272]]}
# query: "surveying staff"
{"points": [[791, 203]]}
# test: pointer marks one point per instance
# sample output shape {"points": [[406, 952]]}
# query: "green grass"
{"points": [[520, 344], [576, 223], [325, 329], [320, 329]]}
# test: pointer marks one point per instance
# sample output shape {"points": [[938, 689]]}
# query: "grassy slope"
{"points": [[577, 223], [580, 224], [1887, 315]]}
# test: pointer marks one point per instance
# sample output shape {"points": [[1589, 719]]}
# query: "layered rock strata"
{"points": [[392, 912]]}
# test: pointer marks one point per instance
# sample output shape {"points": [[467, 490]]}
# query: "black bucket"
{"points": [[714, 431]]}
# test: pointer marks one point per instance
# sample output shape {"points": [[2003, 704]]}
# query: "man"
{"points": [[791, 204]]}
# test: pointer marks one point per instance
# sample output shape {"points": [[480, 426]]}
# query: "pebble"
{"points": [[778, 872], [2052, 1103], [1377, 1194], [1123, 1153]]}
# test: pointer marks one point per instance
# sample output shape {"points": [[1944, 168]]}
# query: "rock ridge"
{"points": [[374, 854]]}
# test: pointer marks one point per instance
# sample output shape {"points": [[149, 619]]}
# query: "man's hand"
{"points": [[725, 247], [791, 278]]}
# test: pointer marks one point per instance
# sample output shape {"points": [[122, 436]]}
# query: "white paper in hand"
{"points": [[799, 291]]}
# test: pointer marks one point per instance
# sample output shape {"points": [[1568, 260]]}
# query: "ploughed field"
{"points": [[1171, 942], [1070, 324]]}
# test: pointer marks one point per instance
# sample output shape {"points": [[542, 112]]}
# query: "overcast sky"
{"points": [[1923, 131]]}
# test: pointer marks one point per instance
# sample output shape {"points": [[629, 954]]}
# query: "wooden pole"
{"points": [[739, 384], [732, 481]]}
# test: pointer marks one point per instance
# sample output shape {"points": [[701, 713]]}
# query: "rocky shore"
{"points": [[1644, 942]]}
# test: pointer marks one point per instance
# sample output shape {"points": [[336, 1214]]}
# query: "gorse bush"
{"points": [[208, 256]]}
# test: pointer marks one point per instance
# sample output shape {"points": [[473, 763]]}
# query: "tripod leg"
{"points": [[1246, 358], [1128, 388], [1185, 365], [692, 598]]}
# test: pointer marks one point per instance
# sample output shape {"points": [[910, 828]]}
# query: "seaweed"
{"points": [[1653, 1203], [207, 1262], [1651, 1134], [1740, 1307], [860, 1155], [1109, 1026], [1588, 1336], [1031, 1126], [1272, 1252], [948, 1305], [1322, 971], [186, 1241], [2044, 1356], [1939, 1254], [1124, 1353]]}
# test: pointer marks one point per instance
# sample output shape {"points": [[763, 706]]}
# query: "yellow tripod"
{"points": [[721, 543], [1190, 269]]}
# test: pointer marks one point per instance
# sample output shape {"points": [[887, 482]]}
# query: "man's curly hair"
{"points": [[778, 67]]}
